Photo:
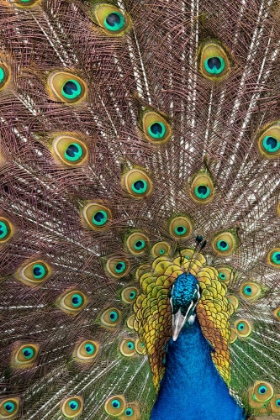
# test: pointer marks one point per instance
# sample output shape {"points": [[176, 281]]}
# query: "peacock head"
{"points": [[184, 297]]}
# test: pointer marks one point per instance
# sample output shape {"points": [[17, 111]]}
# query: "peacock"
{"points": [[140, 209]]}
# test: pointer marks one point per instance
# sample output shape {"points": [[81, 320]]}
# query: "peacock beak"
{"points": [[178, 321]]}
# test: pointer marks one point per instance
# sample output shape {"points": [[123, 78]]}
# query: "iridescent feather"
{"points": [[130, 133]]}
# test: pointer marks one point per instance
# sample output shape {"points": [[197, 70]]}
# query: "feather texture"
{"points": [[129, 129]]}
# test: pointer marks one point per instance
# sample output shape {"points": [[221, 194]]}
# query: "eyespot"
{"points": [[118, 267], [111, 19], [69, 150], [25, 355], [268, 142], [213, 61], [224, 243], [72, 407], [251, 291], [137, 183], [180, 227], [225, 273], [140, 346], [66, 87], [115, 405], [275, 404], [96, 216], [9, 408], [137, 243], [202, 188], [243, 328], [131, 412], [111, 317], [262, 391], [33, 273], [6, 230], [72, 302], [273, 258], [155, 127], [129, 294], [4, 75], [86, 351], [160, 249], [127, 347]]}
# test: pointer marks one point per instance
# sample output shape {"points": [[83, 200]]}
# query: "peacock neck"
{"points": [[192, 388]]}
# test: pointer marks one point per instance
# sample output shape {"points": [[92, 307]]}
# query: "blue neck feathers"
{"points": [[192, 388]]}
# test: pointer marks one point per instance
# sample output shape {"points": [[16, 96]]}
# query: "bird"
{"points": [[139, 209]]}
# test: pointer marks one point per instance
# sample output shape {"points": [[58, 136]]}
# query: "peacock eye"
{"points": [[262, 391], [251, 291], [66, 87], [96, 216], [111, 317], [132, 412], [160, 249], [137, 243], [180, 227], [214, 61], [275, 404], [115, 405], [25, 355], [155, 127], [4, 75], [100, 218], [9, 408], [129, 412], [72, 407], [77, 300], [71, 89], [6, 230], [202, 187], [127, 347], [224, 243], [273, 257], [69, 150], [202, 191], [86, 351], [271, 144], [214, 65], [34, 273], [157, 130], [72, 302], [115, 21], [137, 183], [111, 19], [268, 142], [129, 294], [243, 328], [117, 267], [226, 273], [140, 186]]}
